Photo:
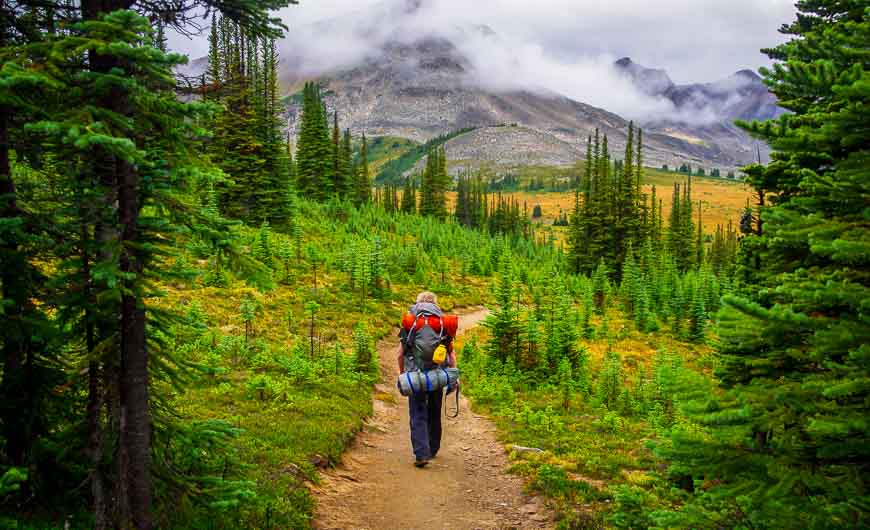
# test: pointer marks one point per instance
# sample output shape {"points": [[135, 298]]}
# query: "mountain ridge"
{"points": [[421, 90], [405, 80]]}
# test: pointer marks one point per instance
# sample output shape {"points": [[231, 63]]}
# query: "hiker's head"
{"points": [[427, 298]]}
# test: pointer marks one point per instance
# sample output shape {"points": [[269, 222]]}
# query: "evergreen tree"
{"points": [[681, 227], [788, 440], [338, 175], [363, 179], [247, 140], [97, 99], [344, 178], [409, 198], [504, 323], [314, 177]]}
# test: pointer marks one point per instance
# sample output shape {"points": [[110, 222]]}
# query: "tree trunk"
{"points": [[95, 392], [311, 336], [95, 447], [135, 412], [14, 290], [134, 453]]}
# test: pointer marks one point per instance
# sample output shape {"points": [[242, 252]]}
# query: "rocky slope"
{"points": [[421, 86]]}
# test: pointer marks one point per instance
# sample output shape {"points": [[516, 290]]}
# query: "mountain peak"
{"points": [[649, 80], [748, 74]]}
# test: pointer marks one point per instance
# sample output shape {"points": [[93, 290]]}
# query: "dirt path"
{"points": [[466, 486]]}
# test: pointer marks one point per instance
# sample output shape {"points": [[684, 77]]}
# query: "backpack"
{"points": [[424, 328]]}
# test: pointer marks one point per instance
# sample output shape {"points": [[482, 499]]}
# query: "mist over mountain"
{"points": [[741, 96], [397, 69]]}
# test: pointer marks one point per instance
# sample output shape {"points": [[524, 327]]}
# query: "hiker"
{"points": [[423, 330]]}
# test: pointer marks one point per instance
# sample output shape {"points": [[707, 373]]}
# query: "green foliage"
{"points": [[393, 172], [247, 141], [11, 480], [504, 323], [785, 436], [364, 354], [610, 212], [314, 155], [472, 204], [434, 185], [610, 381]]}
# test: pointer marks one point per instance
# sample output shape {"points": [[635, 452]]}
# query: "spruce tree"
{"points": [[344, 178], [504, 323], [787, 439], [96, 96], [363, 179], [314, 164], [409, 197]]}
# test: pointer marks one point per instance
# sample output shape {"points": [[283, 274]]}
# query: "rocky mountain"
{"points": [[410, 83], [741, 96]]}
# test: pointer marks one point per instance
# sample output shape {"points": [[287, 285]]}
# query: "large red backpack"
{"points": [[423, 332], [450, 322]]}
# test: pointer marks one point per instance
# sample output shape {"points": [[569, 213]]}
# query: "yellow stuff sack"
{"points": [[439, 355]]}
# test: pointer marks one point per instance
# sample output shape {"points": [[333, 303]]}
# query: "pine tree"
{"points": [[363, 179], [699, 241], [787, 438], [434, 184], [578, 237], [338, 175], [344, 178], [532, 357], [504, 323], [409, 198], [314, 165], [215, 65], [97, 99], [697, 315], [625, 218], [247, 140]]}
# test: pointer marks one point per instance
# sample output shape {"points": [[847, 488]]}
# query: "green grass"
{"points": [[292, 411], [382, 149], [392, 172], [661, 177], [597, 467]]}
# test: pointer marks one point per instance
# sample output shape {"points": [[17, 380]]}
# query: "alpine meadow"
{"points": [[214, 216]]}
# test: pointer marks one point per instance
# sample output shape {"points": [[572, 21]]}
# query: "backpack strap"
{"points": [[455, 410], [410, 382]]}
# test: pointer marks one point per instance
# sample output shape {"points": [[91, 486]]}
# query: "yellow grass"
{"points": [[721, 200]]}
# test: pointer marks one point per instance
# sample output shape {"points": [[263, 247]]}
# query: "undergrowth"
{"points": [[597, 430]]}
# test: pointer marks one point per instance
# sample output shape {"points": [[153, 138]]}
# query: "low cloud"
{"points": [[558, 46], [501, 62], [506, 66]]}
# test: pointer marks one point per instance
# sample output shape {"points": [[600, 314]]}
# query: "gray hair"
{"points": [[427, 297]]}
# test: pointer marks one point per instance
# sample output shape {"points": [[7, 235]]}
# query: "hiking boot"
{"points": [[421, 462]]}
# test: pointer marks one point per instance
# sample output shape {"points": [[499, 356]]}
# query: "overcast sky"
{"points": [[694, 40]]}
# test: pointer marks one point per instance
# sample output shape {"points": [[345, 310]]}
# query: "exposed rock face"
{"points": [[512, 145], [652, 82]]}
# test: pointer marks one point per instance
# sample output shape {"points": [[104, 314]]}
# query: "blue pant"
{"points": [[425, 412]]}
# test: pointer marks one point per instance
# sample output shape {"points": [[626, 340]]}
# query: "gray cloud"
{"points": [[562, 46], [695, 40]]}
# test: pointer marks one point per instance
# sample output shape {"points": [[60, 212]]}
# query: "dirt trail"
{"points": [[377, 487]]}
